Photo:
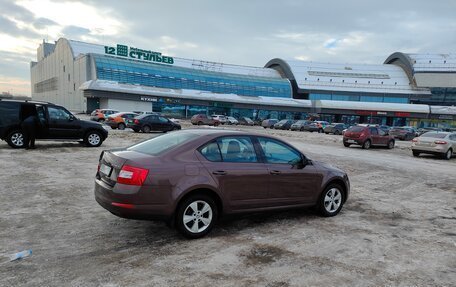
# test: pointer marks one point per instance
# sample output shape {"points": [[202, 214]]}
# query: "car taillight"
{"points": [[132, 175], [440, 142], [136, 122]]}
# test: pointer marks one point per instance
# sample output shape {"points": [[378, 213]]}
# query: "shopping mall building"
{"points": [[407, 89]]}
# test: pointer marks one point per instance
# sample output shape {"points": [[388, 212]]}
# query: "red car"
{"points": [[367, 137]]}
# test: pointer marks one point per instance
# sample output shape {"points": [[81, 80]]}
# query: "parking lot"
{"points": [[398, 228]]}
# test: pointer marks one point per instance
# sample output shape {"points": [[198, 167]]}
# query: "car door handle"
{"points": [[219, 172], [274, 172]]}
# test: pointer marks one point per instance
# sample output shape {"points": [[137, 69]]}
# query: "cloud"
{"points": [[11, 28], [75, 32], [42, 23]]}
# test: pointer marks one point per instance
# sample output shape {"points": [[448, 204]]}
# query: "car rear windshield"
{"points": [[356, 129], [162, 143], [434, 135]]}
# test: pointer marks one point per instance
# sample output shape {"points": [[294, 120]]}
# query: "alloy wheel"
{"points": [[17, 139], [197, 216], [333, 200], [93, 139]]}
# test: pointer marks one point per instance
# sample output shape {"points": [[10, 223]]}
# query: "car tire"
{"points": [[93, 139], [136, 130], [391, 144], [16, 139], [146, 129], [448, 154], [346, 145], [216, 124], [121, 126], [415, 153], [200, 123], [367, 144], [204, 216], [320, 131], [337, 132], [331, 200], [301, 129]]}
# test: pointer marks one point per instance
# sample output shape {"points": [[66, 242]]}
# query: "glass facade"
{"points": [[173, 77], [357, 98]]}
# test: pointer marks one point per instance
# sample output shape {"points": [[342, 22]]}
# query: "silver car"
{"points": [[438, 143]]}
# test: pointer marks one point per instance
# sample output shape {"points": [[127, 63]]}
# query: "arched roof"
{"points": [[422, 63], [346, 77]]}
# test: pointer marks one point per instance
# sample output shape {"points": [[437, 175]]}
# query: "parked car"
{"points": [[316, 126], [117, 121], [246, 121], [335, 128], [147, 123], [403, 133], [220, 118], [367, 137], [202, 119], [55, 123], [99, 115], [385, 128], [232, 121], [283, 125], [299, 125], [269, 123], [439, 143], [237, 172]]}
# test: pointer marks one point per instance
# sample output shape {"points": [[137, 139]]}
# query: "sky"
{"points": [[249, 32]]}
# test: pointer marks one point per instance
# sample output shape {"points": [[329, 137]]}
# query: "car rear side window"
{"points": [[237, 149], [162, 143], [9, 113], [373, 131], [211, 152], [277, 152]]}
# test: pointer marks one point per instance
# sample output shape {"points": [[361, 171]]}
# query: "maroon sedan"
{"points": [[367, 137], [190, 178]]}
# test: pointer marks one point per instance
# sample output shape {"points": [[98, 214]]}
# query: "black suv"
{"points": [[55, 123]]}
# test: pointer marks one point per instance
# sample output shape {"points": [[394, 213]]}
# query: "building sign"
{"points": [[138, 54], [402, 114], [366, 113], [148, 99]]}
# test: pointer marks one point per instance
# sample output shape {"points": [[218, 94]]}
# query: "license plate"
{"points": [[105, 169], [351, 141]]}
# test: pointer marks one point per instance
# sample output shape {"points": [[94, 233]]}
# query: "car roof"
{"points": [[26, 101], [221, 132]]}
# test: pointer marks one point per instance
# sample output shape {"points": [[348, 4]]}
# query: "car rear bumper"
{"points": [[430, 150], [353, 141], [121, 205]]}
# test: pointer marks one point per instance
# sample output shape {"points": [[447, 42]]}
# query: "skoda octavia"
{"points": [[193, 177]]}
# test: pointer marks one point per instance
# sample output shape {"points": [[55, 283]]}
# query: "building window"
{"points": [[64, 68], [68, 77]]}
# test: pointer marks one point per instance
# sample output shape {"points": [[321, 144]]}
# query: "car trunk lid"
{"points": [[111, 163]]}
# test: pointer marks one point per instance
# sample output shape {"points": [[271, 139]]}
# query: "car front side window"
{"points": [[56, 113], [277, 152]]}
